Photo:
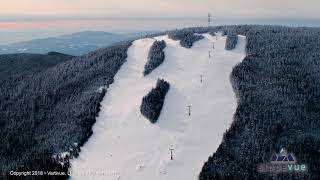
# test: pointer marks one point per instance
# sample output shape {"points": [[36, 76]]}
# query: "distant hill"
{"points": [[15, 65], [74, 44]]}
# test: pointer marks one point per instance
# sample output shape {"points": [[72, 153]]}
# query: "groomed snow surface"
{"points": [[126, 146]]}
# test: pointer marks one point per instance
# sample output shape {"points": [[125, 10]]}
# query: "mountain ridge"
{"points": [[277, 87]]}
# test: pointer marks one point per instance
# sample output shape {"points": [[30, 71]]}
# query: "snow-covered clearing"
{"points": [[126, 146]]}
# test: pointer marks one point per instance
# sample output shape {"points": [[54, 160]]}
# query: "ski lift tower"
{"points": [[189, 110], [171, 153]]}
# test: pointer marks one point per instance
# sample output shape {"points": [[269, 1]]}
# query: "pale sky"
{"points": [[22, 20], [161, 8]]}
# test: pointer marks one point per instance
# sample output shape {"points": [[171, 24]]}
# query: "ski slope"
{"points": [[126, 146]]}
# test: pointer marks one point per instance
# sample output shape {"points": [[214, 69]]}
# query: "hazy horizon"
{"points": [[28, 29], [33, 19]]}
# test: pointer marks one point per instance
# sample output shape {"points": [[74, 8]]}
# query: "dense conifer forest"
{"points": [[231, 42], [152, 103], [49, 112], [186, 37], [16, 65], [278, 91], [156, 57]]}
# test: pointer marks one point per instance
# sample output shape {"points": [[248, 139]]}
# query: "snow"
{"points": [[127, 146], [64, 155], [22, 50]]}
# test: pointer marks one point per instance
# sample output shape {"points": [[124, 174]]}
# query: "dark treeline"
{"points": [[152, 103], [46, 113], [186, 36], [156, 57], [278, 91], [231, 41], [16, 65]]}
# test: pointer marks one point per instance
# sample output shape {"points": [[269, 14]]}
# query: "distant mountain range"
{"points": [[74, 44]]}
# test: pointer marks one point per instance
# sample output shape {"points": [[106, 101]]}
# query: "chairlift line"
{"points": [[171, 153], [189, 110]]}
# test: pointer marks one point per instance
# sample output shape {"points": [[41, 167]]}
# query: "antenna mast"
{"points": [[209, 19]]}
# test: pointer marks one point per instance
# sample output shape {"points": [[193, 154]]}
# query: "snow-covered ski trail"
{"points": [[126, 146]]}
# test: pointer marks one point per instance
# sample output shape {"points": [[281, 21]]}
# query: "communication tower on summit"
{"points": [[209, 19]]}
